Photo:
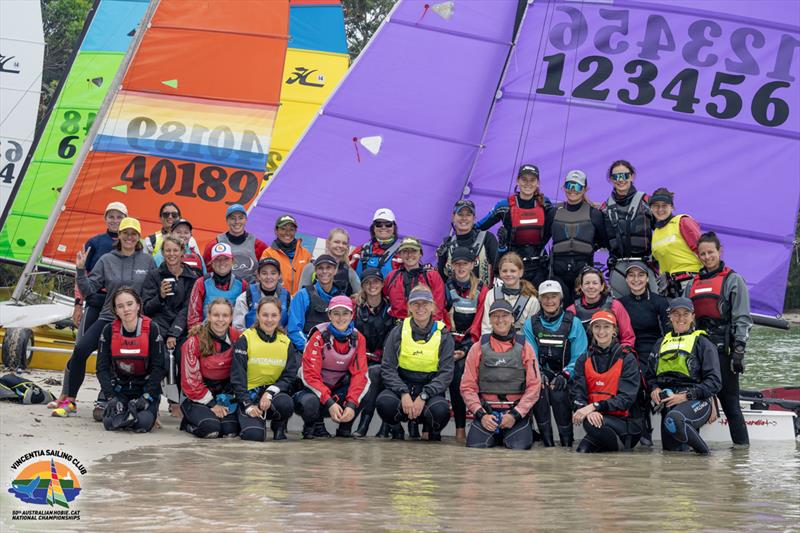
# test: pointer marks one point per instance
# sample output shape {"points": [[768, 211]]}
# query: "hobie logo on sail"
{"points": [[9, 64], [49, 478], [301, 74]]}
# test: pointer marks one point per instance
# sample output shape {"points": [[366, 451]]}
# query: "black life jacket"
{"points": [[375, 327], [629, 227], [463, 309], [317, 309], [573, 231], [584, 313], [554, 346]]}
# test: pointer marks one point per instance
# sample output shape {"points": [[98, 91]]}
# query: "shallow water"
{"points": [[773, 358], [346, 485]]}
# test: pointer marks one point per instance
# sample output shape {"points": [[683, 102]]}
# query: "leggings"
{"points": [[729, 400], [517, 437], [375, 387], [145, 420], [613, 436], [566, 271], [307, 405], [435, 415], [559, 401], [76, 366], [680, 426], [200, 421], [456, 401], [255, 428]]}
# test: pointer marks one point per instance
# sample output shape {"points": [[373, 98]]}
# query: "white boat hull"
{"points": [[13, 315]]}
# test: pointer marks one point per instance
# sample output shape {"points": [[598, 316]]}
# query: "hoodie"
{"points": [[113, 271]]}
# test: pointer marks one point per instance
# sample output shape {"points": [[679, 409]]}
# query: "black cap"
{"points": [[636, 264], [501, 305], [371, 273], [325, 259], [461, 204], [681, 303], [179, 222], [462, 253], [269, 261], [531, 170]]}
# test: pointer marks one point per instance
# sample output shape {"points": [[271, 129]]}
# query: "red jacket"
{"points": [[195, 314], [394, 290], [311, 368], [195, 367]]}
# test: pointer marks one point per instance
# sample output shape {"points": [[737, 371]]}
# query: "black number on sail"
{"points": [[697, 34], [588, 89], [187, 180], [763, 102], [552, 82], [733, 102], [212, 188], [576, 28], [134, 173], [686, 83], [602, 39], [65, 148], [243, 182], [162, 176], [643, 82]]}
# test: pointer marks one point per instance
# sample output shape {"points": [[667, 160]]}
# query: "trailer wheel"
{"points": [[16, 344]]}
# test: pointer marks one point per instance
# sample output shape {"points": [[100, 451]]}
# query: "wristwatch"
{"points": [[424, 395], [596, 406]]}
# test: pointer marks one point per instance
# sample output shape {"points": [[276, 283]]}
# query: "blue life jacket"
{"points": [[213, 292], [254, 296]]}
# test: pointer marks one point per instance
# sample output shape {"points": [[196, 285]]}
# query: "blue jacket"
{"points": [[100, 244], [578, 342], [297, 313]]}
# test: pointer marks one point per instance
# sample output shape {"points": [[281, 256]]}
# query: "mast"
{"points": [[19, 290]]}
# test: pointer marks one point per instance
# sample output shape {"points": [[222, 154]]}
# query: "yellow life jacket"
{"points": [[671, 251], [675, 352], [419, 356], [265, 360]]}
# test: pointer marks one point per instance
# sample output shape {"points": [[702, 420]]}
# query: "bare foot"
{"points": [[461, 434], [158, 422], [175, 411]]}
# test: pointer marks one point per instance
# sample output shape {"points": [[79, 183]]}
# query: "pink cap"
{"points": [[340, 301]]}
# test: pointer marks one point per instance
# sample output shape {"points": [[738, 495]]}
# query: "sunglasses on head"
{"points": [[384, 224], [170, 214], [572, 186], [621, 176]]}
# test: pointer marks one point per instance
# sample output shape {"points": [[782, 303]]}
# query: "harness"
{"points": [[630, 226], [519, 305]]}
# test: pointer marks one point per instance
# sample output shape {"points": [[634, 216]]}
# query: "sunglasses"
{"points": [[170, 214], [572, 186], [384, 224], [621, 176]]}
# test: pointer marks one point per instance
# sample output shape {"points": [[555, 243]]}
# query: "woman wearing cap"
{"points": [[722, 307], [604, 390], [165, 296], [268, 277], [683, 375], [125, 266], [221, 282], [417, 368], [263, 372], [182, 230], [288, 250], [501, 384], [380, 251], [674, 243], [374, 322], [209, 407], [169, 214], [130, 365], [337, 245], [577, 229], [629, 226], [334, 372], [481, 243], [558, 339], [466, 295], [592, 296], [309, 306], [519, 292], [399, 282], [523, 216], [245, 247]]}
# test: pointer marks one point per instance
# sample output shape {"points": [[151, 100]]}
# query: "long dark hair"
{"points": [[711, 237], [620, 162], [125, 290]]}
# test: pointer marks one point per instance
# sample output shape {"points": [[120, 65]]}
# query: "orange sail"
{"points": [[191, 121]]}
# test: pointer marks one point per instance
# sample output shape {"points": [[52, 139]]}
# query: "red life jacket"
{"points": [[129, 355], [706, 293], [217, 366], [192, 260], [335, 365], [527, 225], [603, 385]]}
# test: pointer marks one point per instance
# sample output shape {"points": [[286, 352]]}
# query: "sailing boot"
{"points": [[345, 430], [413, 430], [320, 430], [363, 426], [397, 432], [566, 436], [278, 428], [546, 434], [308, 431], [384, 431]]}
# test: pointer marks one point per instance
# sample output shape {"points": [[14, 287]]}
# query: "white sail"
{"points": [[21, 62]]}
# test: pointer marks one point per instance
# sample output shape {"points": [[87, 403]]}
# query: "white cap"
{"points": [[384, 214], [550, 287], [117, 206]]}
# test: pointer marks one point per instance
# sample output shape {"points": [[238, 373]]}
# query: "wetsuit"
{"points": [[558, 342], [205, 381], [685, 363], [308, 309], [483, 245], [722, 308], [501, 377], [374, 324], [418, 361], [263, 364], [609, 376], [130, 367]]}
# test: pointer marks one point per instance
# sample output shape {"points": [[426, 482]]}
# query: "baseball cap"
{"points": [[550, 287], [221, 249], [500, 305], [340, 301], [179, 222], [420, 293], [116, 206], [636, 264], [462, 253], [269, 261], [384, 214], [325, 259], [528, 170], [235, 208], [681, 303], [130, 223], [409, 242], [285, 219], [576, 176], [604, 315], [461, 204], [370, 273]]}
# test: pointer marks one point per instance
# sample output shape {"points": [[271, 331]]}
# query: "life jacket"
{"points": [[254, 296], [335, 365], [463, 309], [584, 313], [675, 353], [419, 356], [213, 292], [341, 279], [398, 273], [519, 305], [553, 346], [706, 295], [374, 327], [156, 242], [482, 269], [573, 231], [501, 372], [265, 360], [671, 251], [193, 261], [216, 367], [604, 385], [527, 224], [130, 355], [245, 262], [316, 313], [628, 227], [369, 259]]}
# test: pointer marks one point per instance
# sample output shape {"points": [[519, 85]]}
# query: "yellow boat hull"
{"points": [[50, 337]]}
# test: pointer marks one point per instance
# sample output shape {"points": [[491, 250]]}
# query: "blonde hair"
{"points": [[203, 330], [526, 287]]}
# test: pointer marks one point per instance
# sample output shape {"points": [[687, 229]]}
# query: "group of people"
{"points": [[244, 334]]}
